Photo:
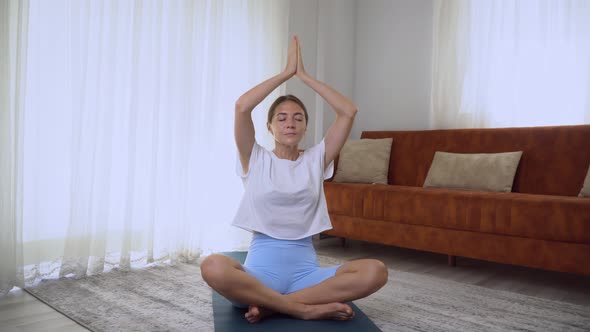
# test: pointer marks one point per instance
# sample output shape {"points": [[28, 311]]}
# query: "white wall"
{"points": [[376, 52], [337, 37], [393, 64]]}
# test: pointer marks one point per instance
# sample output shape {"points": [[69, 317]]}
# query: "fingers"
{"points": [[294, 43], [300, 68], [292, 57]]}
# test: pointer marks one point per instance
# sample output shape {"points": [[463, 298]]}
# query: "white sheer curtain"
{"points": [[508, 63], [117, 136], [13, 23]]}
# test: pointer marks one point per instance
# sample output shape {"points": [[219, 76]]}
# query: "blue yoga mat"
{"points": [[228, 318]]}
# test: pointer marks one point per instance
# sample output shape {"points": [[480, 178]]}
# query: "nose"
{"points": [[290, 123]]}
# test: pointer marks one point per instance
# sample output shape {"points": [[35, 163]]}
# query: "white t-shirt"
{"points": [[284, 199]]}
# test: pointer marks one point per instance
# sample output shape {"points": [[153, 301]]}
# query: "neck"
{"points": [[286, 152]]}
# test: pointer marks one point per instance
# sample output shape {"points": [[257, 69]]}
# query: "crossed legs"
{"points": [[353, 280]]}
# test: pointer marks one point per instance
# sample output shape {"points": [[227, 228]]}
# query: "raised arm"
{"points": [[345, 111], [243, 125]]}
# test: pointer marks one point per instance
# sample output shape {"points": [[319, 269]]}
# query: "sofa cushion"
{"points": [[554, 159], [364, 161], [585, 192], [473, 171]]}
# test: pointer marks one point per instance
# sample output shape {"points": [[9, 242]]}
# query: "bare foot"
{"points": [[256, 313], [334, 311]]}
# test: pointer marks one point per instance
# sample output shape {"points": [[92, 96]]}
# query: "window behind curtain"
{"points": [[128, 149], [511, 63]]}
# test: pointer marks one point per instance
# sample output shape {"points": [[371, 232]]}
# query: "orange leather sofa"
{"points": [[540, 224]]}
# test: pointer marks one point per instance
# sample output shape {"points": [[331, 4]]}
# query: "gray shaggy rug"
{"points": [[175, 298]]}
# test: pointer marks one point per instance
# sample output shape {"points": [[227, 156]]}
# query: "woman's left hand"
{"points": [[300, 69]]}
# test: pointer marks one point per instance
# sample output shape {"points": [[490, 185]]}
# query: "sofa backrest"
{"points": [[554, 160]]}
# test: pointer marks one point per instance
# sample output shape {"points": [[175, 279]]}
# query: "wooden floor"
{"points": [[19, 311]]}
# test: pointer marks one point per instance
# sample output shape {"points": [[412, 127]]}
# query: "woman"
{"points": [[284, 205]]}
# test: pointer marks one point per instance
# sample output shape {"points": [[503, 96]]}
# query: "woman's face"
{"points": [[288, 124]]}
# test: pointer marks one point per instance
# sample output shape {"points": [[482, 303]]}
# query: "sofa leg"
{"points": [[452, 261], [343, 240]]}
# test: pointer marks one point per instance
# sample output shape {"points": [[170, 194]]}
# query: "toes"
{"points": [[251, 318], [253, 314], [348, 313], [344, 316]]}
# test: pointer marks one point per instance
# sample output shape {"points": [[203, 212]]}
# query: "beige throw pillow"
{"points": [[364, 161], [475, 171], [585, 192]]}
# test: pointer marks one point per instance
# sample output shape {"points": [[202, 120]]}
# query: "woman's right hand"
{"points": [[291, 68]]}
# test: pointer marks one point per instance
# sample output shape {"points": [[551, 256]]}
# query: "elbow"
{"points": [[347, 112], [240, 106], [351, 111]]}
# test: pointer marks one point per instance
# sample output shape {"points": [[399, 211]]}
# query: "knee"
{"points": [[377, 274], [212, 270]]}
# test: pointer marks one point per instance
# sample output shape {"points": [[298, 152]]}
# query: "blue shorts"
{"points": [[285, 266]]}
